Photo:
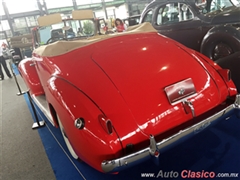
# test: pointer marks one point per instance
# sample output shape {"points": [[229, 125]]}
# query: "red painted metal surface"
{"points": [[124, 79], [28, 71]]}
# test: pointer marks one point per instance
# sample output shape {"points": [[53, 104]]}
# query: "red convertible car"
{"points": [[121, 99]]}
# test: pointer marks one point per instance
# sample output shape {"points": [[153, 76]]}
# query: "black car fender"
{"points": [[226, 34]]}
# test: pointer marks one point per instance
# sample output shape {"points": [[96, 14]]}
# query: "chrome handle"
{"points": [[190, 105]]}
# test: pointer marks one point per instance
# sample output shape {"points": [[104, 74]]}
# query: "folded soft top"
{"points": [[62, 47]]}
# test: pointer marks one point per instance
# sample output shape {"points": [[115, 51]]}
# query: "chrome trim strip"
{"points": [[41, 102], [190, 105], [153, 146], [119, 164], [237, 101]]}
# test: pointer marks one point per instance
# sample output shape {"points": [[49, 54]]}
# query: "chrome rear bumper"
{"points": [[154, 149]]}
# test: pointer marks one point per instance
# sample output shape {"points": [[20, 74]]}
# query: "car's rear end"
{"points": [[168, 93], [148, 92]]}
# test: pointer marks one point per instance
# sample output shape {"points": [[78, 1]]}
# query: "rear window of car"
{"points": [[173, 13], [148, 16]]}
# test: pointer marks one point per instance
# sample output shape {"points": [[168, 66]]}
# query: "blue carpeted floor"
{"points": [[14, 68], [215, 150]]}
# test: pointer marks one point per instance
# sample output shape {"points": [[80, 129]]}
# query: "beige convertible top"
{"points": [[62, 47]]}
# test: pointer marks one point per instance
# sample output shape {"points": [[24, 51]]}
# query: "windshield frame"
{"points": [[68, 29], [79, 24]]}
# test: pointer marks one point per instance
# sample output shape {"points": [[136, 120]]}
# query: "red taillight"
{"points": [[225, 73], [156, 154], [106, 124]]}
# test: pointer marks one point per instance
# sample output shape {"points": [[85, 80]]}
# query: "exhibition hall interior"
{"points": [[119, 89]]}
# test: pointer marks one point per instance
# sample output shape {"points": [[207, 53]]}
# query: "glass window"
{"points": [[173, 13], [215, 5], [73, 29], [31, 21], [20, 26], [21, 31], [9, 33], [148, 17], [20, 22], [2, 36], [88, 27], [168, 14], [4, 25], [185, 12]]}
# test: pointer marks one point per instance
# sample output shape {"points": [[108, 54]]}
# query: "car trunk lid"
{"points": [[162, 90]]}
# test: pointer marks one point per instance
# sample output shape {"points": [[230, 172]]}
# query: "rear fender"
{"points": [[217, 66], [232, 63], [29, 74], [91, 143]]}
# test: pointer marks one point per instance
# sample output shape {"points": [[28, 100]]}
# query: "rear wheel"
{"points": [[69, 146], [220, 45], [222, 50]]}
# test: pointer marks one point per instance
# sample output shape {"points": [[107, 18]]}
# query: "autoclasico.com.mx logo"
{"points": [[188, 174]]}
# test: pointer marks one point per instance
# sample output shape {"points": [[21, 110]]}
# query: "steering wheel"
{"points": [[52, 40]]}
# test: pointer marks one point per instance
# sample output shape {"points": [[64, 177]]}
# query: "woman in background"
{"points": [[120, 26], [3, 64]]}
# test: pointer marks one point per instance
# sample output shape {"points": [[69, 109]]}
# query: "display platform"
{"points": [[214, 151]]}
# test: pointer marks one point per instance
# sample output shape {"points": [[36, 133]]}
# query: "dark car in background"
{"points": [[132, 20], [210, 27]]}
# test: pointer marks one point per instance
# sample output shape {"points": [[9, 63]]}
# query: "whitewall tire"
{"points": [[69, 146]]}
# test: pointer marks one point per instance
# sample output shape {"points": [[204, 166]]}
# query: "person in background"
{"points": [[4, 45], [105, 27], [80, 31], [3, 63], [120, 26]]}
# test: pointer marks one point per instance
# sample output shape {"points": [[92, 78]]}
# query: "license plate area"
{"points": [[180, 90]]}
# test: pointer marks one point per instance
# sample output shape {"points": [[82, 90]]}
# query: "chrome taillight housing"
{"points": [[106, 124], [225, 73]]}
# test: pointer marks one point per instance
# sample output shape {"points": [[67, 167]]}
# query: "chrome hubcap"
{"points": [[221, 50]]}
